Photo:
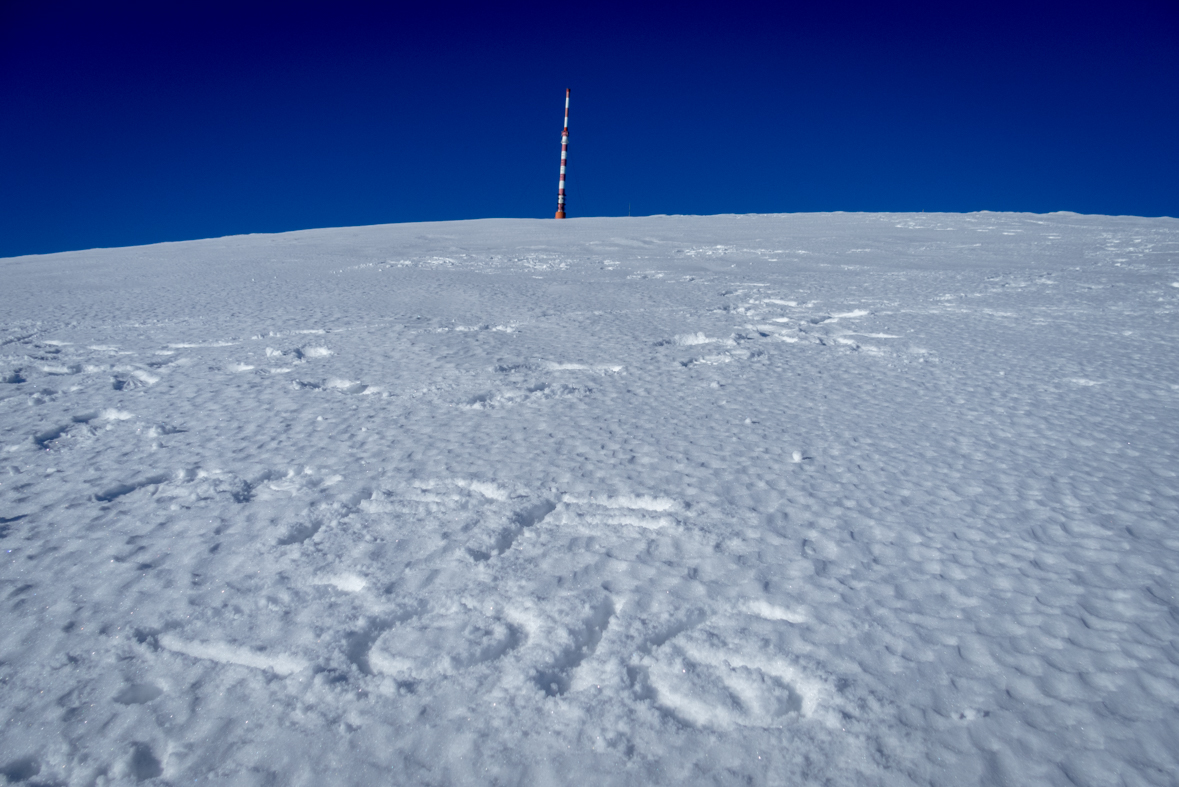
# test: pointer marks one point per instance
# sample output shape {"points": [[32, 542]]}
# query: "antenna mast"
{"points": [[564, 153]]}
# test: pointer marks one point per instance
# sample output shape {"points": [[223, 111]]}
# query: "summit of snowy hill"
{"points": [[846, 499]]}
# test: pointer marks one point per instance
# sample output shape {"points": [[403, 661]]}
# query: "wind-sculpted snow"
{"points": [[856, 499]]}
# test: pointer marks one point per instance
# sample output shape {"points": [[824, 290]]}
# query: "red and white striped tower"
{"points": [[564, 154]]}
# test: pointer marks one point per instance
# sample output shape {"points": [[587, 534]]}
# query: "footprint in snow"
{"points": [[648, 513], [579, 642], [708, 677], [442, 643], [488, 545], [526, 393], [337, 385]]}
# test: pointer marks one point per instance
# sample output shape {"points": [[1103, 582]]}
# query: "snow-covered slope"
{"points": [[851, 499]]}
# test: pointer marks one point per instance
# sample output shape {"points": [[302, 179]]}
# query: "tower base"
{"points": [[560, 214]]}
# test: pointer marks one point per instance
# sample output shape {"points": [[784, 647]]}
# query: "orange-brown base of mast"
{"points": [[560, 214]]}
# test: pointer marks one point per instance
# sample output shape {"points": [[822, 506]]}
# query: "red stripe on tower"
{"points": [[564, 156]]}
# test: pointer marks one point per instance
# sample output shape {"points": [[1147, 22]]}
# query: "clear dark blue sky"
{"points": [[125, 123]]}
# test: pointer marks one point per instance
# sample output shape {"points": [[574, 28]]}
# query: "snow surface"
{"points": [[853, 499]]}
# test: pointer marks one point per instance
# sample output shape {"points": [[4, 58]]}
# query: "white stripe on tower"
{"points": [[564, 156]]}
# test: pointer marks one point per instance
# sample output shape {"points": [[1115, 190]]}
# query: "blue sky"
{"points": [[128, 123]]}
